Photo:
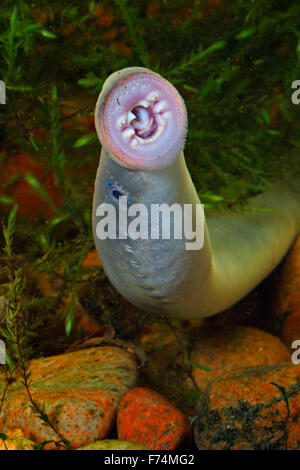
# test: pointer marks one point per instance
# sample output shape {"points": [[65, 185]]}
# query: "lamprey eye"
{"points": [[115, 191], [142, 122]]}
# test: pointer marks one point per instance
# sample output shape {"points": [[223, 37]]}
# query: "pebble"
{"points": [[230, 348], [113, 444], [252, 408], [80, 392], [146, 417]]}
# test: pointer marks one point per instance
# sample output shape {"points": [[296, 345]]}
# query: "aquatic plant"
{"points": [[233, 63], [19, 328]]}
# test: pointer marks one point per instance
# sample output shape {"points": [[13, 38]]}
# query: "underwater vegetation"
{"points": [[79, 356]]}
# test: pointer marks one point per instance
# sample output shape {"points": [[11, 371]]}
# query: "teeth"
{"points": [[137, 140], [134, 142], [159, 107], [143, 103], [141, 124], [160, 120], [154, 95], [130, 117], [128, 133], [121, 121], [167, 115]]}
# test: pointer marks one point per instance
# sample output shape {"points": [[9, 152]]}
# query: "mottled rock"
{"points": [[146, 417], [251, 408], [14, 439], [230, 348], [114, 444], [80, 392]]}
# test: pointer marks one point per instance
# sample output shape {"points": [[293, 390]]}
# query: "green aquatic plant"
{"points": [[234, 64], [17, 330], [14, 330]]}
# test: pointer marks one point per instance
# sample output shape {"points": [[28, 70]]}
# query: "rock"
{"points": [[92, 260], [31, 204], [84, 322], [247, 409], [234, 347], [80, 392], [15, 440], [146, 417], [114, 444]]}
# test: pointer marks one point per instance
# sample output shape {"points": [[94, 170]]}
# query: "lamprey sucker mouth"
{"points": [[142, 121]]}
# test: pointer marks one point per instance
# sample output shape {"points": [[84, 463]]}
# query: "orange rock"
{"points": [[103, 16], [15, 440], [234, 347], [147, 418], [31, 205], [246, 409], [212, 7], [79, 391], [47, 284], [122, 47], [43, 15], [92, 259], [154, 9], [77, 114], [84, 321]]}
